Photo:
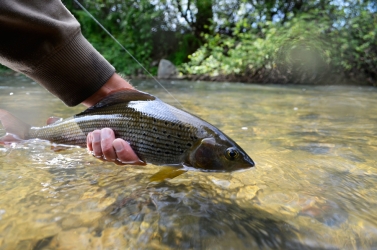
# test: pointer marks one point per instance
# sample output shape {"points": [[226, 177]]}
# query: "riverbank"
{"points": [[262, 77], [274, 77]]}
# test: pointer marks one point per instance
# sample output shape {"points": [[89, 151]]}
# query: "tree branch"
{"points": [[184, 14]]}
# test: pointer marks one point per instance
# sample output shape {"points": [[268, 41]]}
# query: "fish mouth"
{"points": [[251, 162], [250, 165], [247, 161], [244, 166]]}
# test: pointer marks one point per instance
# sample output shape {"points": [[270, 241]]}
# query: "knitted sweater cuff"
{"points": [[73, 72]]}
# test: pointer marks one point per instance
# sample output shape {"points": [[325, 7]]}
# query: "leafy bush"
{"points": [[354, 46], [306, 49], [255, 41]]}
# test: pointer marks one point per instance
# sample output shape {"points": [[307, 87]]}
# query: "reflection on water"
{"points": [[314, 185]]}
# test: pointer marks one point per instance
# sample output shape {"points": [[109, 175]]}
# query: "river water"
{"points": [[314, 185]]}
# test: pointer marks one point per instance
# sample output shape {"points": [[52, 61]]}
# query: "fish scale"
{"points": [[150, 136], [66, 132]]}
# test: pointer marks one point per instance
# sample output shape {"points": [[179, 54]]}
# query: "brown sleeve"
{"points": [[42, 40]]}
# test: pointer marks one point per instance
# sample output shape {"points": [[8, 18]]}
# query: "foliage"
{"points": [[355, 45], [3, 69], [281, 45], [129, 21], [308, 48], [143, 27], [299, 41]]}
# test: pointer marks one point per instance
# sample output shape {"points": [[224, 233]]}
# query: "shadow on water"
{"points": [[188, 220], [176, 215]]}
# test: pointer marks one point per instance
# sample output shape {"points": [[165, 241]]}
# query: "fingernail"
{"points": [[97, 156], [105, 133], [118, 145], [96, 137]]}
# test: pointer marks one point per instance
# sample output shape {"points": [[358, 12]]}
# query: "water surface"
{"points": [[314, 185]]}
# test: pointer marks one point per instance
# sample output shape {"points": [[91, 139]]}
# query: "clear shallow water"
{"points": [[314, 185]]}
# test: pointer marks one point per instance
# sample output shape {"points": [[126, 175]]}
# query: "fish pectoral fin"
{"points": [[167, 172], [122, 96]]}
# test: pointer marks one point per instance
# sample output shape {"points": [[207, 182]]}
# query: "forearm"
{"points": [[43, 40]]}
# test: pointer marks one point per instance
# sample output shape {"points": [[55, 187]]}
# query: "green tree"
{"points": [[130, 21]]}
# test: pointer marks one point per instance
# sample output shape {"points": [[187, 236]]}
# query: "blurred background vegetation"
{"points": [[263, 41]]}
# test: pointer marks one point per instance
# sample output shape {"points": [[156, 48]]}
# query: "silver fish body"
{"points": [[158, 133]]}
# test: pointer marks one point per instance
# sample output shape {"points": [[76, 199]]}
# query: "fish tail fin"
{"points": [[14, 126], [9, 139]]}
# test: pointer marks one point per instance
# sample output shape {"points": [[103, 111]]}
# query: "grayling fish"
{"points": [[158, 133]]}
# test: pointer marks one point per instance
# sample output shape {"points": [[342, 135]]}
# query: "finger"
{"points": [[107, 138], [89, 140], [125, 153], [96, 143]]}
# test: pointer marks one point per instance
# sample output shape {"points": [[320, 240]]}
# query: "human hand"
{"points": [[103, 145], [115, 83]]}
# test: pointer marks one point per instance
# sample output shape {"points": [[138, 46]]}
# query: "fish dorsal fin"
{"points": [[122, 96], [125, 95]]}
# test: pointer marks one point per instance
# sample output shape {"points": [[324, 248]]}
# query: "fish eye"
{"points": [[232, 153]]}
